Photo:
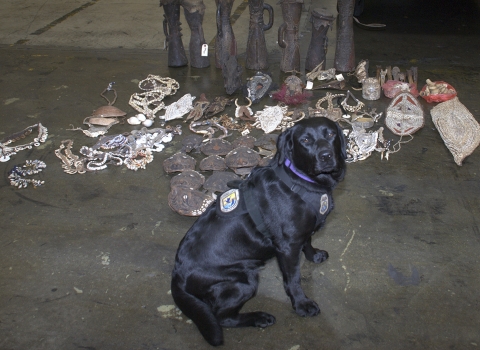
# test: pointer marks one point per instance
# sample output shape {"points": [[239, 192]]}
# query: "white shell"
{"points": [[158, 147], [167, 138], [133, 121], [148, 123], [141, 117]]}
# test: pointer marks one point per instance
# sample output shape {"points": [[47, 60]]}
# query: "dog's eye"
{"points": [[305, 140], [331, 135]]}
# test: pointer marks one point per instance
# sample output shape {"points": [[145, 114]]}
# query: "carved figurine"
{"points": [[288, 35], [194, 11], [317, 50], [257, 57], [225, 43]]}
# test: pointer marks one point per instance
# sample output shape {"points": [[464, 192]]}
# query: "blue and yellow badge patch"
{"points": [[229, 200], [324, 203]]}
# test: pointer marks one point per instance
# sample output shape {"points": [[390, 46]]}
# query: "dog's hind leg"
{"points": [[230, 298], [313, 254], [199, 312], [249, 319]]}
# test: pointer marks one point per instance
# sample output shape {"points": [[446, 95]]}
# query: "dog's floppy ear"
{"points": [[284, 146], [341, 138]]}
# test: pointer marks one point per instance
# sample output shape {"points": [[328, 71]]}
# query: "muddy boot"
{"points": [[197, 39], [288, 35], [172, 30], [257, 57], [345, 51], [317, 51], [225, 43]]}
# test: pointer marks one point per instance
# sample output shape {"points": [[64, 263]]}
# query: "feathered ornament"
{"points": [[292, 91]]}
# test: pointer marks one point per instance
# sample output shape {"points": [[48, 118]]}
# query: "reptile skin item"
{"points": [[225, 43], [345, 51], [257, 57], [288, 35], [317, 50], [172, 30]]}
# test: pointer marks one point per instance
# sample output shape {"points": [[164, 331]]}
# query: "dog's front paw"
{"points": [[318, 256], [307, 307], [264, 320]]}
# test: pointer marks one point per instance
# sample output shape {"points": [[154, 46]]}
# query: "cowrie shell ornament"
{"points": [[148, 123], [133, 121]]}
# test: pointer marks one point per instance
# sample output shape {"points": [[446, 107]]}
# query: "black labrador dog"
{"points": [[273, 213]]}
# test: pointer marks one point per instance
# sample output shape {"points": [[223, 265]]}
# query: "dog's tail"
{"points": [[200, 313]]}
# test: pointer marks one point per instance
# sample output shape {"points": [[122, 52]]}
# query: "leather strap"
{"points": [[370, 26], [254, 210]]}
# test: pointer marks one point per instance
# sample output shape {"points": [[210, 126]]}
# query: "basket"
{"points": [[438, 97]]}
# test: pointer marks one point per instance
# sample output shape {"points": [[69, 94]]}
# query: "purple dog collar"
{"points": [[290, 165]]}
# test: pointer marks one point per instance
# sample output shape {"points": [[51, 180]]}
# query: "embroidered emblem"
{"points": [[229, 200], [323, 204]]}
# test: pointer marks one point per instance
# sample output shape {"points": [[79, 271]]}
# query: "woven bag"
{"points": [[457, 127]]}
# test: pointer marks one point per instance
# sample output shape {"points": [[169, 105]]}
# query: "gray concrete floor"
{"points": [[85, 260]]}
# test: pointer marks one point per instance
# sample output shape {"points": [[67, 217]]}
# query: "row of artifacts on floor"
{"points": [[210, 126]]}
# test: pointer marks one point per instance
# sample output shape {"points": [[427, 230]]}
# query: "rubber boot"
{"points": [[225, 43], [317, 50], [288, 35], [197, 39], [257, 57], [173, 34]]}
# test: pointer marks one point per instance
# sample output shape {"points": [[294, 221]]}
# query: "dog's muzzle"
{"points": [[326, 161]]}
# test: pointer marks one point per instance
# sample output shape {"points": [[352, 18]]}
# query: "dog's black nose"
{"points": [[326, 155]]}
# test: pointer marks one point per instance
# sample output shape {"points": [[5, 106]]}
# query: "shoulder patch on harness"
{"points": [[323, 204], [229, 200]]}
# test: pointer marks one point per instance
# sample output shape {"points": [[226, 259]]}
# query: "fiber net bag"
{"points": [[457, 127]]}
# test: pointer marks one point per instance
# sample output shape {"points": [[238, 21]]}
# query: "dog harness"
{"points": [[242, 199]]}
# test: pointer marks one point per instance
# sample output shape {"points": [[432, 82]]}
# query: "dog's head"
{"points": [[316, 147]]}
